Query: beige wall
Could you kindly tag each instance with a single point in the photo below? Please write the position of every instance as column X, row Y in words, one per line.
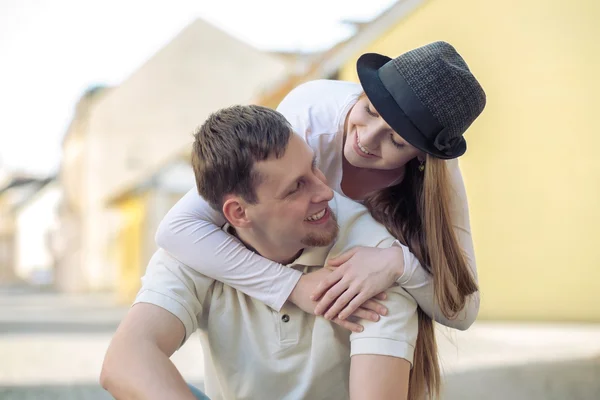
column 151, row 116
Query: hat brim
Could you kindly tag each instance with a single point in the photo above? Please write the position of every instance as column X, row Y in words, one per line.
column 367, row 68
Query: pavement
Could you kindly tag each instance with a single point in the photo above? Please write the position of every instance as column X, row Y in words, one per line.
column 52, row 346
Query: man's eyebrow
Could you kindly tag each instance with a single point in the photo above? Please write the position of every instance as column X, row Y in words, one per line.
column 314, row 162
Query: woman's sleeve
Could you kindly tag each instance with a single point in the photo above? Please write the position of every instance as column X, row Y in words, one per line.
column 191, row 232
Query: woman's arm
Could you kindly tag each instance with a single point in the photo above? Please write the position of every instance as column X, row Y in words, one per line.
column 365, row 270
column 419, row 283
column 191, row 232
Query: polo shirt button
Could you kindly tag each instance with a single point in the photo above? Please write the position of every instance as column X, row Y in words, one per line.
column 285, row 318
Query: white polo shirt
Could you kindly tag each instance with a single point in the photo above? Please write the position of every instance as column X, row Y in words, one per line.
column 253, row 352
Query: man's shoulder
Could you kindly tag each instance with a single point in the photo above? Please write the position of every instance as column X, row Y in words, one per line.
column 357, row 226
column 161, row 259
column 346, row 208
column 173, row 286
column 165, row 269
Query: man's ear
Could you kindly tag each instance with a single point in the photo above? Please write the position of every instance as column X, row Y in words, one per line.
column 234, row 209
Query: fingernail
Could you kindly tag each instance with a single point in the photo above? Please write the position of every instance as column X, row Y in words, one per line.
column 383, row 312
column 341, row 316
column 359, row 330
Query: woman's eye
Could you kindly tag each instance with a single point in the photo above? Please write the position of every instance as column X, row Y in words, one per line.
column 371, row 113
column 398, row 145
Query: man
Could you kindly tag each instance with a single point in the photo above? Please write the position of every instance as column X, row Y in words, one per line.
column 250, row 165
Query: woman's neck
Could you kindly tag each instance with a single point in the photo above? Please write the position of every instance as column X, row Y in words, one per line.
column 358, row 183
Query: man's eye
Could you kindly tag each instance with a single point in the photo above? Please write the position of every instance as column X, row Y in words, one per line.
column 298, row 186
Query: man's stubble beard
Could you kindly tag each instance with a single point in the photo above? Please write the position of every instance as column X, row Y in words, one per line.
column 325, row 237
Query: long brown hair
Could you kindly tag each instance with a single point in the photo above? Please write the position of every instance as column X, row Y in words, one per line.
column 417, row 212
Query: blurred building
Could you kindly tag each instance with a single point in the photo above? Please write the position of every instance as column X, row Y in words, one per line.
column 126, row 154
column 141, row 209
column 531, row 170
column 36, row 219
column 67, row 243
column 7, row 236
column 27, row 215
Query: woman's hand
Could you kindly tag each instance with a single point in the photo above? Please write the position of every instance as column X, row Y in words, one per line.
column 359, row 274
column 369, row 310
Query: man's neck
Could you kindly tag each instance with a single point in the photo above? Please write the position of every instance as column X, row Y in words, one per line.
column 281, row 256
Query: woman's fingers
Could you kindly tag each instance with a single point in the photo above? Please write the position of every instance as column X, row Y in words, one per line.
column 326, row 284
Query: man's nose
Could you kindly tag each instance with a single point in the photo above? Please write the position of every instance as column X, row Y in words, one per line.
column 322, row 192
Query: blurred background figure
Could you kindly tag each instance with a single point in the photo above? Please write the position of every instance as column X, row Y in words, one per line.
column 99, row 100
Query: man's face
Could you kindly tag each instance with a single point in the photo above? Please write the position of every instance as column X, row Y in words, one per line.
column 292, row 211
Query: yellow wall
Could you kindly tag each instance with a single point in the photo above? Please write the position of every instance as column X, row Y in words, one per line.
column 533, row 165
column 128, row 246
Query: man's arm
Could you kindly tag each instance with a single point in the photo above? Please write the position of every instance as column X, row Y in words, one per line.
column 374, row 376
column 383, row 353
column 137, row 364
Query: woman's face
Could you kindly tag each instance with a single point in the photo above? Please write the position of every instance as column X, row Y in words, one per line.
column 371, row 143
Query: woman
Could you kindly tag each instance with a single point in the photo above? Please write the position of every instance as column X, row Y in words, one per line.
column 383, row 142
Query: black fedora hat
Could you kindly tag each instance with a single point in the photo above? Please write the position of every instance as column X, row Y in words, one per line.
column 427, row 95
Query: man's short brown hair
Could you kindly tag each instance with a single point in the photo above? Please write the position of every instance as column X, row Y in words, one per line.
column 228, row 144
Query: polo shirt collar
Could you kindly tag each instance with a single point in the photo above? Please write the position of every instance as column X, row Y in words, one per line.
column 310, row 257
